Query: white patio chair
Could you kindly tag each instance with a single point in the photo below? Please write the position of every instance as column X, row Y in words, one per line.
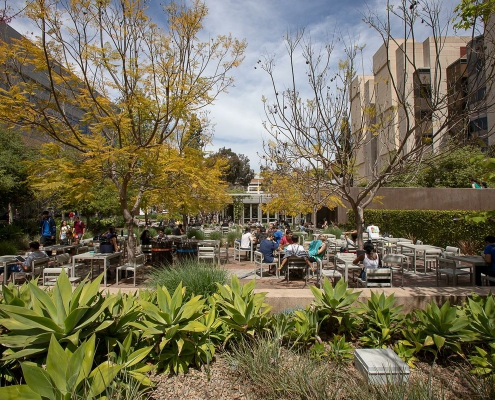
column 207, row 253
column 397, row 262
column 238, row 251
column 139, row 263
column 259, row 264
column 451, row 269
column 377, row 277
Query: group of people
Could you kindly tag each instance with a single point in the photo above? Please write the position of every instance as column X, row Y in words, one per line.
column 273, row 240
column 67, row 234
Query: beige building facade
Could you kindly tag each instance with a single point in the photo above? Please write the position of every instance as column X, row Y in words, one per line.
column 405, row 102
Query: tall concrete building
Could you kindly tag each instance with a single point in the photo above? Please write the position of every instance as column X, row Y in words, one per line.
column 405, row 102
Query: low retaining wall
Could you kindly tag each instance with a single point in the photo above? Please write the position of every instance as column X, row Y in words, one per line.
column 410, row 298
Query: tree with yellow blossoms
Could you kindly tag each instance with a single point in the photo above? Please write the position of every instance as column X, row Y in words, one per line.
column 106, row 82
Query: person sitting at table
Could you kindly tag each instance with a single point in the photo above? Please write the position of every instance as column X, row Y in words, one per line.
column 287, row 239
column 317, row 248
column 295, row 249
column 350, row 242
column 373, row 231
column 369, row 259
column 178, row 230
column 110, row 237
column 277, row 235
column 161, row 235
column 25, row 266
column 267, row 246
column 145, row 237
column 246, row 239
column 489, row 257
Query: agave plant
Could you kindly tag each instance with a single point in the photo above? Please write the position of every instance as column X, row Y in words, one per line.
column 480, row 313
column 381, row 319
column 66, row 376
column 69, row 316
column 445, row 328
column 180, row 330
column 242, row 310
column 334, row 303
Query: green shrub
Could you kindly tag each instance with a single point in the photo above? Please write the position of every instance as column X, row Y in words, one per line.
column 10, row 232
column 198, row 278
column 8, row 248
column 435, row 227
column 333, row 231
column 195, row 233
column 232, row 237
column 216, row 235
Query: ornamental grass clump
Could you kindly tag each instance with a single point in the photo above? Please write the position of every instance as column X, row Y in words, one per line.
column 199, row 278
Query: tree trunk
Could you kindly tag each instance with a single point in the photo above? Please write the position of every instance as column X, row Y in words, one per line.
column 358, row 220
column 131, row 241
column 11, row 213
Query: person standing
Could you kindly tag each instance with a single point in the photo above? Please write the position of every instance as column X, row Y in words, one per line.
column 48, row 229
column 79, row 229
column 64, row 233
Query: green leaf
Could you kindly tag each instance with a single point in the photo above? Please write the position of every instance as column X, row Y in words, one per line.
column 18, row 392
column 56, row 364
column 102, row 376
column 38, row 380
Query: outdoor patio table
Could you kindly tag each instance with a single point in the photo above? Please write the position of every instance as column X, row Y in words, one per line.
column 347, row 259
column 4, row 261
column 335, row 245
column 95, row 256
column 416, row 248
column 59, row 248
column 470, row 261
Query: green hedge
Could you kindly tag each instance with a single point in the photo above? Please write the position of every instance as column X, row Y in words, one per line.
column 439, row 228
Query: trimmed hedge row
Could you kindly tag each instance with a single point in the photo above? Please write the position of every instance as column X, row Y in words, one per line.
column 439, row 228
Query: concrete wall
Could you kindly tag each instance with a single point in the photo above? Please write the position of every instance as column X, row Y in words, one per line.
column 428, row 199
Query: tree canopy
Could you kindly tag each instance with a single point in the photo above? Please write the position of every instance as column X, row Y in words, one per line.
column 105, row 81
column 238, row 171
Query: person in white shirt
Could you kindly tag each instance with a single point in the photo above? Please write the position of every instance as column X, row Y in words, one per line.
column 246, row 239
column 295, row 249
column 373, row 231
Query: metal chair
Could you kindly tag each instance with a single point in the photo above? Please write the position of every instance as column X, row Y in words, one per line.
column 296, row 263
column 206, row 253
column 238, row 251
column 377, row 277
column 395, row 261
column 450, row 268
column 37, row 266
column 259, row 264
column 430, row 257
column 139, row 262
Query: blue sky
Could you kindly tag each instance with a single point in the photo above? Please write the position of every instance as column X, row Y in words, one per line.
column 237, row 116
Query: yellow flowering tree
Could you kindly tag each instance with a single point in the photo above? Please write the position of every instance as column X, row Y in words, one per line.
column 105, row 81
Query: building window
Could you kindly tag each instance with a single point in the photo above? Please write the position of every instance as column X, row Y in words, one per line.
column 477, row 125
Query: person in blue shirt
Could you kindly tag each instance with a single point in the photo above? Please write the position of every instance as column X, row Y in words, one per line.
column 267, row 247
column 25, row 266
column 277, row 236
column 489, row 257
column 48, row 229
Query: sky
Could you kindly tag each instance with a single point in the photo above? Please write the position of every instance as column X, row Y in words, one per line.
column 237, row 116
